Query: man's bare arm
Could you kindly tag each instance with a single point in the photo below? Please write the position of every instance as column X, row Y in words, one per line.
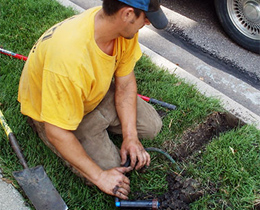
column 125, row 100
column 71, row 150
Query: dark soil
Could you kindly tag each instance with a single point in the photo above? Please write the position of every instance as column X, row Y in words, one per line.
column 183, row 190
column 196, row 139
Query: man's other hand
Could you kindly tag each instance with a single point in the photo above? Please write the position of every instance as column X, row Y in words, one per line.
column 114, row 182
column 138, row 155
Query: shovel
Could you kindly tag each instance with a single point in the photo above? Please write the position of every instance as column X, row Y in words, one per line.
column 34, row 181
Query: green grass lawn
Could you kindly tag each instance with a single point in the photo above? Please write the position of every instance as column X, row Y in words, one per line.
column 230, row 162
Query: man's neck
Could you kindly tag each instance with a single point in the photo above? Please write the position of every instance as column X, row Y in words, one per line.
column 105, row 32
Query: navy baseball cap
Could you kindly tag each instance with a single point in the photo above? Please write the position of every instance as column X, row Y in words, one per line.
column 152, row 11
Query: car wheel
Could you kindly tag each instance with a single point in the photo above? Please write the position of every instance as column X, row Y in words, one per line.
column 241, row 21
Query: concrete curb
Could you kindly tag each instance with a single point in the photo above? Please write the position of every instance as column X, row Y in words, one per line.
column 10, row 198
column 68, row 3
column 228, row 104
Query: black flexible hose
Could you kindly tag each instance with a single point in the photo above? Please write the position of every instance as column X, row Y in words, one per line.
column 153, row 149
column 154, row 204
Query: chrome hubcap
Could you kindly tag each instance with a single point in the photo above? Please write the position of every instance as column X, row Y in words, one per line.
column 245, row 15
column 252, row 11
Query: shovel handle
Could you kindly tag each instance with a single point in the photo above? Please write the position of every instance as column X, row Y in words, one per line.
column 13, row 141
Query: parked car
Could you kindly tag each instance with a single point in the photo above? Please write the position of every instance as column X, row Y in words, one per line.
column 241, row 21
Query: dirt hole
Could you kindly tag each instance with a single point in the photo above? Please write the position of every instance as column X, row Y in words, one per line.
column 183, row 190
column 196, row 139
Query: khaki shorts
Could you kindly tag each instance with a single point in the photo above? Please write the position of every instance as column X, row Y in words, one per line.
column 92, row 132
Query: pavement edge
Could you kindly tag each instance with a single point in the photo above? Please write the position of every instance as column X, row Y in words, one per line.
column 228, row 104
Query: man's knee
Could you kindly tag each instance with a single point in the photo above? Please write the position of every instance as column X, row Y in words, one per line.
column 149, row 122
column 152, row 128
column 157, row 126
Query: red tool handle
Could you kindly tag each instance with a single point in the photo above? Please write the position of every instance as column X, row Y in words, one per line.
column 155, row 101
column 144, row 97
column 6, row 52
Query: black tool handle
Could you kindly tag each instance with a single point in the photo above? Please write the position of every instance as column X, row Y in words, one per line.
column 163, row 104
column 13, row 141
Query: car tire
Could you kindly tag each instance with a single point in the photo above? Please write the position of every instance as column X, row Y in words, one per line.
column 241, row 21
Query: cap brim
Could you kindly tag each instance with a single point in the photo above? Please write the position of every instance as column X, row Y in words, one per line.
column 157, row 18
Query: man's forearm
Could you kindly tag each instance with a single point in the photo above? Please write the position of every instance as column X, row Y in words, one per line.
column 71, row 150
column 112, row 181
column 125, row 100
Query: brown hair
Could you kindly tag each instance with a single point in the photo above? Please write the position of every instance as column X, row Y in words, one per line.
column 111, row 7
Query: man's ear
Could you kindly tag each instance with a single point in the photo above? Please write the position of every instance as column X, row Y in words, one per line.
column 127, row 14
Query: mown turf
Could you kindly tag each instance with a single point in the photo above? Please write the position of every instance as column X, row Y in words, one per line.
column 235, row 175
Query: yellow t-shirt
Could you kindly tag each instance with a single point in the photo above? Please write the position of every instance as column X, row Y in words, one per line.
column 67, row 75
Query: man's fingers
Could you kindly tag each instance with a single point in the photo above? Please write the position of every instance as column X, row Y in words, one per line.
column 133, row 160
column 139, row 157
column 143, row 159
column 124, row 170
column 121, row 195
column 115, row 189
column 121, row 191
column 123, row 157
column 148, row 159
column 127, row 181
column 124, row 188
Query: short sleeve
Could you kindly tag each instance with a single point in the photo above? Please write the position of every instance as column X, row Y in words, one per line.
column 131, row 53
column 62, row 103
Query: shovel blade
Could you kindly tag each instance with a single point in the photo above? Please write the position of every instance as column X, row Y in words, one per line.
column 39, row 189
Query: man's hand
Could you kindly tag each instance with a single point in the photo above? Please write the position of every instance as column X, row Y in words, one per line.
column 139, row 157
column 125, row 101
column 114, row 182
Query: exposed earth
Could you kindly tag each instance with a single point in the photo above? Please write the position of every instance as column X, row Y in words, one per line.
column 183, row 190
